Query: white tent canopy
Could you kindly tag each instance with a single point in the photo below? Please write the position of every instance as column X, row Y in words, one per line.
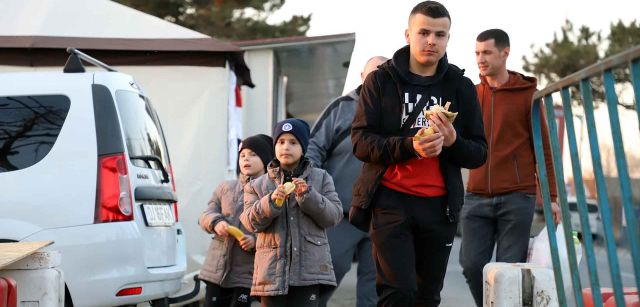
column 88, row 18
column 36, row 33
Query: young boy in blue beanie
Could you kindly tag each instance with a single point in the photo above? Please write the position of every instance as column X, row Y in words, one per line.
column 292, row 258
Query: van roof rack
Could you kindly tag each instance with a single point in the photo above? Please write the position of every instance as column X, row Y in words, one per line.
column 74, row 65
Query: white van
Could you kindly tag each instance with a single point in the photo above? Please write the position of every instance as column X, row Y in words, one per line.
column 84, row 162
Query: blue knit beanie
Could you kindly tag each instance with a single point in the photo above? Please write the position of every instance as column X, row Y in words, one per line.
column 299, row 128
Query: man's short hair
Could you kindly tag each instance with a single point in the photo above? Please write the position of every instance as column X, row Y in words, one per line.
column 432, row 9
column 500, row 37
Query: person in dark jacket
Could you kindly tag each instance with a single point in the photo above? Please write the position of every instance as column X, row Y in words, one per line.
column 330, row 148
column 501, row 194
column 413, row 187
column 228, row 268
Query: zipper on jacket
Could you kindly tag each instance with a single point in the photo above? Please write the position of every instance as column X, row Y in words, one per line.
column 288, row 259
column 228, row 245
column 515, row 165
column 493, row 97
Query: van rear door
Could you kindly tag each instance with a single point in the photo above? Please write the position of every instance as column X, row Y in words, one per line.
column 151, row 181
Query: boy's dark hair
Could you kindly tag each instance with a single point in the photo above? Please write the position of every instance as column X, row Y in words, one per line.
column 432, row 9
column 500, row 37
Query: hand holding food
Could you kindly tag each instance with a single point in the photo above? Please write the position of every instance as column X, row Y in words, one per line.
column 301, row 186
column 247, row 242
column 221, row 228
column 428, row 146
column 442, row 121
column 434, row 110
column 289, row 187
column 423, row 132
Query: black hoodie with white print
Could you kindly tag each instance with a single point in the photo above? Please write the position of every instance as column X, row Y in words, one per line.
column 387, row 98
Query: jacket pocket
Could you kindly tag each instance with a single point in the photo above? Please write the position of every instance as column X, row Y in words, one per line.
column 316, row 258
column 215, row 259
column 515, row 166
column 264, row 267
column 267, row 240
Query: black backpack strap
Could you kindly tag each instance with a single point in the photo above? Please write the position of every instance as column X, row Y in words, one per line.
column 418, row 106
column 414, row 114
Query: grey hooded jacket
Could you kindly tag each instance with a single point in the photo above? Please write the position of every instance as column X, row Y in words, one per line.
column 292, row 247
column 226, row 263
column 330, row 146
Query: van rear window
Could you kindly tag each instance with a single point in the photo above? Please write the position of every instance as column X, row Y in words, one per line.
column 29, row 126
column 142, row 130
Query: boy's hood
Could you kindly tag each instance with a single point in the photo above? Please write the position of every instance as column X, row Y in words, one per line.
column 398, row 66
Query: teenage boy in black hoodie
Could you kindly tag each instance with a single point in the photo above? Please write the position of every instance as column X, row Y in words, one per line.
column 414, row 186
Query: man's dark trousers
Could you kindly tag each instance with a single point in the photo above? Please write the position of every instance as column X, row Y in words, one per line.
column 412, row 238
column 503, row 221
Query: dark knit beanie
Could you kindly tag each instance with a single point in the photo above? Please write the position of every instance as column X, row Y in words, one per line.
column 261, row 144
column 299, row 128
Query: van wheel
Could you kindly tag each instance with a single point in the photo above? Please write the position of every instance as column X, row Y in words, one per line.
column 67, row 297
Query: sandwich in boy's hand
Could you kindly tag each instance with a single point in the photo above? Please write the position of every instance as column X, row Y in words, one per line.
column 439, row 109
column 424, row 132
column 289, row 187
column 451, row 116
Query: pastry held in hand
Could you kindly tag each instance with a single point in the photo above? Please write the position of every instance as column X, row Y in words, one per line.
column 424, row 132
column 451, row 116
column 289, row 187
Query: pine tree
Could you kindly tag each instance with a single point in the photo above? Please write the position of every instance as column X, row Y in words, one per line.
column 575, row 50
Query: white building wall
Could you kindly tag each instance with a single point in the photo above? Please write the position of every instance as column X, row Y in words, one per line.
column 258, row 102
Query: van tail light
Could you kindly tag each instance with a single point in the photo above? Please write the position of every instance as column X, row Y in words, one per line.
column 113, row 195
column 130, row 291
column 173, row 185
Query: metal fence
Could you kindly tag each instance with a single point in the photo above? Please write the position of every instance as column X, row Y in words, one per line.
column 582, row 86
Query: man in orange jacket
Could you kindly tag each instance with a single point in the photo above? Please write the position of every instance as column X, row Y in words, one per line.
column 501, row 194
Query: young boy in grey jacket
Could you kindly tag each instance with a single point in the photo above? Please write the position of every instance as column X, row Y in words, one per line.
column 292, row 259
column 228, row 267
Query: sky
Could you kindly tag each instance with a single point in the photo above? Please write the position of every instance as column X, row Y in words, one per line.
column 380, row 24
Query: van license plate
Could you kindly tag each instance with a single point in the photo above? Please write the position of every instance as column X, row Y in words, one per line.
column 158, row 215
